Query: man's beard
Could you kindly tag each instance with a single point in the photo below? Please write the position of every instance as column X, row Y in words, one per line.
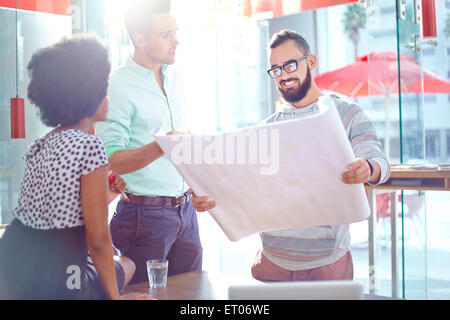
column 296, row 94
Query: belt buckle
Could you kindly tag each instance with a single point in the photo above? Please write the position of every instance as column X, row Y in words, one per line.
column 176, row 202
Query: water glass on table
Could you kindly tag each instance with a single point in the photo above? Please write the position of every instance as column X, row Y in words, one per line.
column 157, row 273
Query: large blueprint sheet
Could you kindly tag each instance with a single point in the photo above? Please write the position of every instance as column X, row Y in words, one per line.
column 276, row 176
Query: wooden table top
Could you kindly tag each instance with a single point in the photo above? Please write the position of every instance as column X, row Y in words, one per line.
column 194, row 285
column 414, row 178
column 399, row 171
column 202, row 285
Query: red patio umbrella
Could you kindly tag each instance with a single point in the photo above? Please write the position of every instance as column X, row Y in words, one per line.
column 376, row 74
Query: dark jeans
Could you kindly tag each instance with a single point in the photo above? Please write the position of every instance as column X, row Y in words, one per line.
column 144, row 232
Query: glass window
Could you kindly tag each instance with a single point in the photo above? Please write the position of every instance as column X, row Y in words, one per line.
column 430, row 98
column 448, row 143
column 35, row 30
column 432, row 144
column 428, row 51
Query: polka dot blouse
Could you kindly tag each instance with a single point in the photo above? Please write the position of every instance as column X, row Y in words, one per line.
column 50, row 192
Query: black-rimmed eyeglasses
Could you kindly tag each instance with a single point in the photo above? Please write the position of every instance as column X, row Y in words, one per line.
column 289, row 67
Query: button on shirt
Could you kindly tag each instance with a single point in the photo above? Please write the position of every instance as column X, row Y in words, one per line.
column 137, row 107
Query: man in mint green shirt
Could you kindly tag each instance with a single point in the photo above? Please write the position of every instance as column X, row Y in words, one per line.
column 144, row 94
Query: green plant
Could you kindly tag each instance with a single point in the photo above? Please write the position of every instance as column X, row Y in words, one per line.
column 354, row 20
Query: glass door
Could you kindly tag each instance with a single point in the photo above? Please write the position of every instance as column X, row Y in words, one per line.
column 23, row 31
column 423, row 34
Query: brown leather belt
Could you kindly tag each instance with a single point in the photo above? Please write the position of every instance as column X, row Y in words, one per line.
column 160, row 201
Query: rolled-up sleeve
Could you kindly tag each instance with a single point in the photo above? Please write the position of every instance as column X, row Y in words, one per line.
column 115, row 131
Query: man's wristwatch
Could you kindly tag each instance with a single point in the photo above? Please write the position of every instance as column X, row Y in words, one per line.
column 371, row 168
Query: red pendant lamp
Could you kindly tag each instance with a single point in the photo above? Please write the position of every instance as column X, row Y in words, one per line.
column 17, row 118
column 17, row 103
column 429, row 27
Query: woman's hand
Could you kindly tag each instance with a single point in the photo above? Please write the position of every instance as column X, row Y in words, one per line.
column 116, row 186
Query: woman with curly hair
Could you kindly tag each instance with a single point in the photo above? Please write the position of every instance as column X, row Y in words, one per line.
column 58, row 246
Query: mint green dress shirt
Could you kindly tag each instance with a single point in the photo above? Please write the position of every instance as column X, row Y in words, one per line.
column 137, row 106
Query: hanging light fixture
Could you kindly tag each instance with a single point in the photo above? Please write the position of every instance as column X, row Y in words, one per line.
column 17, row 103
column 429, row 28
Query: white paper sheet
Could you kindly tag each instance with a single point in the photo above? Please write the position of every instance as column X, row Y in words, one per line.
column 287, row 174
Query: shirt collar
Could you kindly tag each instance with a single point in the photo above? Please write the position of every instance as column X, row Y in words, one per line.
column 142, row 71
column 287, row 107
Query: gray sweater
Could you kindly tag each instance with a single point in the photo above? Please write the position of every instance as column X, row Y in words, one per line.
column 311, row 247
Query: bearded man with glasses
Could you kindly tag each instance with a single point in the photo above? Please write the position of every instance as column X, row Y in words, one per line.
column 319, row 252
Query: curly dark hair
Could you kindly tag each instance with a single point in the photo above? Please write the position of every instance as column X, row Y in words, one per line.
column 69, row 79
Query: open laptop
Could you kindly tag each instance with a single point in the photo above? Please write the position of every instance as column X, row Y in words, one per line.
column 311, row 290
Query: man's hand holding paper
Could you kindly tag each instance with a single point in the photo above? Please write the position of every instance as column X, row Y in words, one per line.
column 299, row 186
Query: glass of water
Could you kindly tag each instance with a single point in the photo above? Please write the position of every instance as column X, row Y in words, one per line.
column 157, row 273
